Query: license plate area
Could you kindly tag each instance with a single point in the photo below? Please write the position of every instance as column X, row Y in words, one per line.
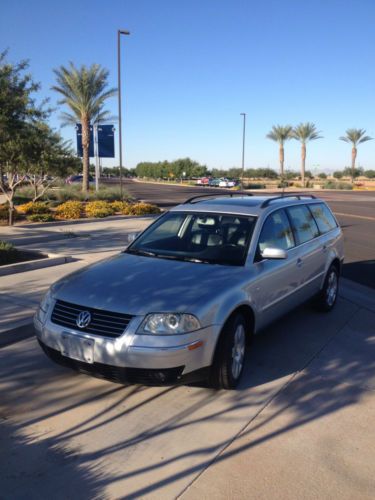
column 77, row 347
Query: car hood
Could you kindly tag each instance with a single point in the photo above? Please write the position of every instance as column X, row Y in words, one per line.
column 138, row 285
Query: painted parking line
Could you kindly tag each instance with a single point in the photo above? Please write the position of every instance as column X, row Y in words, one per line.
column 355, row 216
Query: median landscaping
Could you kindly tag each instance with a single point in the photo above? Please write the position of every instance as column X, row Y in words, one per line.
column 48, row 211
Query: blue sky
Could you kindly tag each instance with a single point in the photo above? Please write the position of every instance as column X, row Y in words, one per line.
column 190, row 67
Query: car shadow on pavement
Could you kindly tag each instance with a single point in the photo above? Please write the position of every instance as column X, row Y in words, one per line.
column 156, row 440
column 362, row 271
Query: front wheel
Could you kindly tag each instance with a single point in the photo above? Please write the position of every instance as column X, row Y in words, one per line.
column 327, row 297
column 228, row 364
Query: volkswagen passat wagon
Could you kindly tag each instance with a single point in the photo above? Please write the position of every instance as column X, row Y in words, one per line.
column 183, row 300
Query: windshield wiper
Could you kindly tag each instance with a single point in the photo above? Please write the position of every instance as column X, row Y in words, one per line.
column 183, row 258
column 145, row 253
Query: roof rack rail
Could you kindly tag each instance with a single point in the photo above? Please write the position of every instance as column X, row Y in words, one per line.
column 298, row 196
column 191, row 200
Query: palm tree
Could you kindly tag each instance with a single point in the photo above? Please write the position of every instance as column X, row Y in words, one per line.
column 355, row 136
column 84, row 91
column 280, row 134
column 305, row 132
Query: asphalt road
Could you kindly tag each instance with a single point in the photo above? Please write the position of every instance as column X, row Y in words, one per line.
column 354, row 210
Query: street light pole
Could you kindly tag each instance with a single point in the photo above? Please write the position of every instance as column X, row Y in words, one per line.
column 119, row 33
column 243, row 147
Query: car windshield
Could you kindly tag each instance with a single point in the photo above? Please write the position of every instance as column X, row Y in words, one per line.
column 209, row 238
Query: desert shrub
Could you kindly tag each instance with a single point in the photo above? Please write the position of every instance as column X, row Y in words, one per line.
column 69, row 210
column 41, row 217
column 110, row 194
column 8, row 253
column 337, row 185
column 120, row 207
column 32, row 208
column 68, row 193
column 99, row 209
column 143, row 209
column 24, row 194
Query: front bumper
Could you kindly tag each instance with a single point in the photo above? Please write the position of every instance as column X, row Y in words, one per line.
column 130, row 356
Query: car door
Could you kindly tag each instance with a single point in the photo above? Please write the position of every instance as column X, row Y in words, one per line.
column 277, row 284
column 311, row 249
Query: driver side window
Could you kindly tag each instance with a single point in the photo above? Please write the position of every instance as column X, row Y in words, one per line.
column 276, row 233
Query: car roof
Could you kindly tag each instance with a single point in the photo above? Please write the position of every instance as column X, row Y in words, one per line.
column 243, row 204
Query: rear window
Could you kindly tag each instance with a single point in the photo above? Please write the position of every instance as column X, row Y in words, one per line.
column 323, row 217
column 303, row 223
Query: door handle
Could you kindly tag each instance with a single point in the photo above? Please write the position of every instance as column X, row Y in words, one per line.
column 299, row 262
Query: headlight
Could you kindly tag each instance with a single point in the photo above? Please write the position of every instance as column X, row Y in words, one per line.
column 169, row 324
column 44, row 306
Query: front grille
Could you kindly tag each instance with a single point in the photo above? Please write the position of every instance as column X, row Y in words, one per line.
column 103, row 323
column 117, row 373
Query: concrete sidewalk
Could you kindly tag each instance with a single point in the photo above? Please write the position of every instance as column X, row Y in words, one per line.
column 300, row 426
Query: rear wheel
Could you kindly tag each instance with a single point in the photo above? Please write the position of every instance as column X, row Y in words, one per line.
column 229, row 359
column 327, row 297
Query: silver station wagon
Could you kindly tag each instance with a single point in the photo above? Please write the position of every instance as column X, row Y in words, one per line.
column 183, row 300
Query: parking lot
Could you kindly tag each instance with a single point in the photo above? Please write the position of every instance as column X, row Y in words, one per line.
column 299, row 425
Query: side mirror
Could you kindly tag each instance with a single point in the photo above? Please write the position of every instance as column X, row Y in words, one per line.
column 130, row 237
column 274, row 253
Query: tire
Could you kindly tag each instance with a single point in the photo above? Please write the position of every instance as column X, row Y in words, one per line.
column 327, row 297
column 229, row 358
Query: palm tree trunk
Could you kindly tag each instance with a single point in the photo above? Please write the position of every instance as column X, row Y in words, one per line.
column 354, row 156
column 303, row 163
column 85, row 149
column 281, row 158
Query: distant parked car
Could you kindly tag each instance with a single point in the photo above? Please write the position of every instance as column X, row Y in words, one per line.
column 77, row 179
column 223, row 183
column 204, row 181
column 214, row 182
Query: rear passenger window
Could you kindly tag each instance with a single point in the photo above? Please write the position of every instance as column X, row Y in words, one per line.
column 323, row 217
column 304, row 225
column 276, row 232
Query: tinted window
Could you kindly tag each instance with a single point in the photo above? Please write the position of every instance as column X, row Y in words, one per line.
column 323, row 217
column 304, row 225
column 276, row 232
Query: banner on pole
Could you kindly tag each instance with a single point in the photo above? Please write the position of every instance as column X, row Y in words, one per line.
column 79, row 141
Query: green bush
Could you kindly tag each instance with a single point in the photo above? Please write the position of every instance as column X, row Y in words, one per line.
column 337, row 185
column 8, row 253
column 110, row 194
column 74, row 192
column 99, row 209
column 68, row 193
column 41, row 217
column 23, row 194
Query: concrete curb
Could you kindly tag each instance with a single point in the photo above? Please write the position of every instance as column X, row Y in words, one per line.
column 21, row 267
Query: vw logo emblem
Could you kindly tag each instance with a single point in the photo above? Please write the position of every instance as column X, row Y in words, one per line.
column 83, row 319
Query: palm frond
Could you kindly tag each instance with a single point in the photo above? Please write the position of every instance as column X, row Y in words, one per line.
column 280, row 133
column 355, row 136
column 305, row 132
